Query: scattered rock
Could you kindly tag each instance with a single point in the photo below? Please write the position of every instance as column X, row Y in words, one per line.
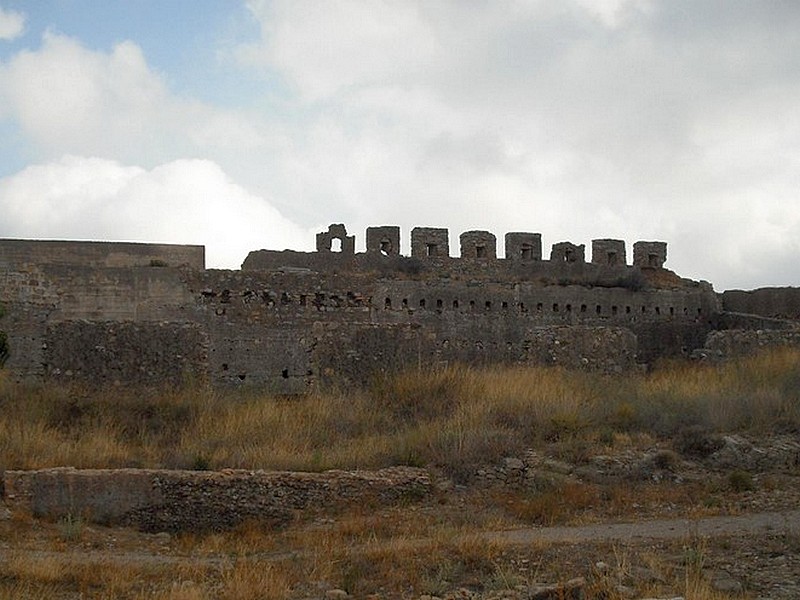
column 574, row 589
column 727, row 584
column 514, row 464
column 738, row 452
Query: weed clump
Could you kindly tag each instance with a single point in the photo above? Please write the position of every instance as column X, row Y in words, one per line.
column 696, row 441
column 424, row 396
column 741, row 481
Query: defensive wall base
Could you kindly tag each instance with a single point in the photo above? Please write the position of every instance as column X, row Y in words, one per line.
column 736, row 343
column 160, row 500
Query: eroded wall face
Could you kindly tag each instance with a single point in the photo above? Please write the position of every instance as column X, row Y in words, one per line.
column 17, row 254
column 113, row 353
column 774, row 303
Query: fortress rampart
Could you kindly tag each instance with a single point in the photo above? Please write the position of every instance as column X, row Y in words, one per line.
column 138, row 313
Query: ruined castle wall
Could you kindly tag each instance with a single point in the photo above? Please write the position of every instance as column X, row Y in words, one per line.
column 292, row 320
column 739, row 342
column 125, row 353
column 17, row 254
column 141, row 293
column 328, row 326
column 36, row 297
column 775, row 303
column 70, row 292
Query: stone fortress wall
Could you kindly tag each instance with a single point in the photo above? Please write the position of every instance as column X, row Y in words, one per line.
column 148, row 314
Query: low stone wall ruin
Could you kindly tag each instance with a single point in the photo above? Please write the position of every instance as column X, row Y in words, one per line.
column 775, row 303
column 734, row 343
column 158, row 500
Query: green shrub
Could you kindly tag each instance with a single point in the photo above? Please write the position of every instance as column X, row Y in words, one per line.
column 697, row 442
column 741, row 481
column 666, row 460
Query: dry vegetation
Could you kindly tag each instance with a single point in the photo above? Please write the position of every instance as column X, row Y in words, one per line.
column 452, row 420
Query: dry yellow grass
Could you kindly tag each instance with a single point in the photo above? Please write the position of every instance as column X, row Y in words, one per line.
column 453, row 418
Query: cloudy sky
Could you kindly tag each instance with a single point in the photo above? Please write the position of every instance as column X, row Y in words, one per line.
column 254, row 124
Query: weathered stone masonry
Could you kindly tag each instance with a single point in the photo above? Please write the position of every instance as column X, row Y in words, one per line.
column 138, row 313
column 160, row 500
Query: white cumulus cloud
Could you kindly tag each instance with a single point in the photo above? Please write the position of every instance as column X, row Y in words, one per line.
column 12, row 24
column 67, row 98
column 183, row 201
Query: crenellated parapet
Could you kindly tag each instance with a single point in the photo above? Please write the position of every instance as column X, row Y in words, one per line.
column 523, row 246
column 384, row 240
column 337, row 232
column 434, row 243
column 567, row 252
column 608, row 252
column 478, row 244
column 650, row 254
column 430, row 242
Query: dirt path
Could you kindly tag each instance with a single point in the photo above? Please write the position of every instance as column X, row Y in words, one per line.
column 661, row 529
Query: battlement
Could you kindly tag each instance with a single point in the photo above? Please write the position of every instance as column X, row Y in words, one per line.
column 434, row 243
